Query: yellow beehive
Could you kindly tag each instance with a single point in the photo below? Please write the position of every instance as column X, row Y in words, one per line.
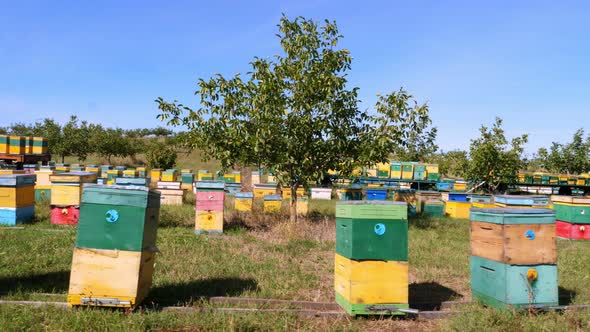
column 372, row 172
column 209, row 221
column 272, row 203
column 62, row 168
column 186, row 186
column 371, row 281
column 384, row 170
column 302, row 206
column 16, row 197
column 168, row 177
column 458, row 210
column 123, row 277
column 237, row 177
column 64, row 194
column 28, row 144
column 11, row 171
column 4, row 144
column 155, row 175
column 243, row 204
column 40, row 145
column 130, row 173
column 185, row 170
column 286, row 192
column 432, row 168
column 460, row 186
column 17, row 145
column 92, row 169
column 261, row 191
column 483, row 205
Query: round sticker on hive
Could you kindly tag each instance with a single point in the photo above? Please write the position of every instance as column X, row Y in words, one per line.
column 530, row 234
column 379, row 229
column 112, row 215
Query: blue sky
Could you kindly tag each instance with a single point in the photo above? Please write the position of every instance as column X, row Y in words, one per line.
column 106, row 61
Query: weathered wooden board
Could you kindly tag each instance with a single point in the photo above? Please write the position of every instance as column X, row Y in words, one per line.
column 16, row 197
column 66, row 194
column 514, row 244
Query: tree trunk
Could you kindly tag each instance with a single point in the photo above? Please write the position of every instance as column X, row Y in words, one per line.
column 293, row 203
column 63, row 159
column 246, row 173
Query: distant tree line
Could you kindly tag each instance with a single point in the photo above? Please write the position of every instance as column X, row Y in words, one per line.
column 80, row 139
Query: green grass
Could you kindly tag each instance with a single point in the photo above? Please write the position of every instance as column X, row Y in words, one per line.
column 263, row 256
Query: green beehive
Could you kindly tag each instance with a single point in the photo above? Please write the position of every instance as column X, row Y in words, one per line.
column 372, row 230
column 419, row 172
column 434, row 208
column 118, row 218
column 187, row 178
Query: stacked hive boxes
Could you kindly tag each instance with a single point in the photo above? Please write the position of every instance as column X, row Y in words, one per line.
column 458, row 206
column 407, row 171
column 433, row 208
column 272, row 203
column 187, row 180
column 43, row 183
column 155, row 175
column 66, row 193
column 169, row 175
column 170, row 193
column 396, row 170
column 17, row 145
column 423, row 196
column 4, row 144
column 113, row 261
column 432, row 172
column 205, row 175
column 17, row 198
column 243, row 201
column 40, row 145
column 371, row 261
column 513, row 257
column 521, row 202
column 573, row 217
column 209, row 206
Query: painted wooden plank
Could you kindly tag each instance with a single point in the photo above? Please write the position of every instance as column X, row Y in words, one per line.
column 111, row 274
column 17, row 180
column 74, row 177
column 458, row 210
column 372, row 239
column 572, row 213
column 64, row 194
column 13, row 197
column 355, row 309
column 381, row 210
column 584, row 200
column 514, row 244
column 14, row 216
column 508, row 216
column 522, row 200
column 371, row 281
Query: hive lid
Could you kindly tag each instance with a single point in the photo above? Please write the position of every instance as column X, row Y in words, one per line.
column 570, row 199
column 513, row 216
column 139, row 196
column 272, row 198
column 12, row 180
column 370, row 203
column 244, row 195
column 73, row 177
column 210, row 185
column 522, row 200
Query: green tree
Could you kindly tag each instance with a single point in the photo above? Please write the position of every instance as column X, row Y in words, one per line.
column 161, row 155
column 75, row 139
column 494, row 159
column 572, row 157
column 109, row 143
column 452, row 163
column 293, row 113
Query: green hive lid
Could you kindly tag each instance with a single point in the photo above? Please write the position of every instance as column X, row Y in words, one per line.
column 3, row 139
column 119, row 195
column 510, row 216
column 215, row 185
column 372, row 210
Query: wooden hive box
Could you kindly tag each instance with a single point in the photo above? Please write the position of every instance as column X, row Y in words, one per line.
column 420, row 172
column 514, row 236
column 351, row 193
column 434, row 208
column 243, row 201
column 321, row 193
column 376, row 194
column 40, row 145
column 65, row 215
column 169, row 175
column 17, row 145
column 14, row 216
column 208, row 222
column 371, row 172
column 518, row 201
column 4, row 144
column 185, row 171
column 286, row 192
column 395, row 170
column 362, row 285
column 383, row 170
column 480, row 199
column 120, row 168
column 130, row 173
column 255, row 177
column 572, row 231
column 302, row 206
column 272, row 203
column 457, row 210
column 210, row 196
column 112, row 174
column 43, row 177
column 118, row 218
column 145, row 182
column 187, row 178
column 458, row 197
column 572, row 209
column 432, row 172
column 460, row 186
column 205, row 175
column 171, row 196
column 372, row 230
column 17, row 190
column 110, row 278
column 407, row 171
column 262, row 189
column 237, row 177
column 155, row 175
column 168, row 185
column 504, row 285
column 42, row 193
column 66, row 188
column 423, row 196
column 141, row 171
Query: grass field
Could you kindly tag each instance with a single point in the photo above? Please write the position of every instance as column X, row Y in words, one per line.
column 264, row 257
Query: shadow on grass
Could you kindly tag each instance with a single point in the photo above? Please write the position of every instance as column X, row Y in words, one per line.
column 189, row 292
column 566, row 296
column 424, row 222
column 51, row 282
column 430, row 295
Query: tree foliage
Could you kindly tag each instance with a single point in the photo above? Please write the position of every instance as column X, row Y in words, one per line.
column 294, row 113
column 452, row 163
column 161, row 155
column 495, row 159
column 572, row 157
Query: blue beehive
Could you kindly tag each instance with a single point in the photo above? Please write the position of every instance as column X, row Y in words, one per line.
column 376, row 194
column 458, row 197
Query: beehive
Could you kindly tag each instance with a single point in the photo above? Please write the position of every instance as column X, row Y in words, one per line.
column 187, row 180
column 420, row 172
column 17, row 198
column 209, row 206
column 40, row 145
column 155, row 175
column 171, row 196
column 395, row 170
column 130, row 173
column 116, row 237
column 103, row 170
column 66, row 188
column 205, row 175
column 370, row 265
column 93, row 169
column 371, row 172
column 112, row 174
column 321, row 193
column 169, row 175
column 243, row 201
column 457, row 210
column 132, row 182
column 261, row 190
column 186, row 170
column 42, row 176
column 77, row 168
column 514, row 257
column 62, row 168
column 255, row 177
column 4, row 144
column 460, row 185
column 141, row 172
column 573, row 216
column 302, row 206
column 272, row 203
column 376, row 194
column 519, row 202
column 351, row 193
column 120, row 168
column 383, row 170
column 30, row 168
column 407, row 171
column 42, row 193
column 286, row 192
column 408, row 196
column 17, row 145
column 423, row 196
column 229, row 178
column 458, row 197
column 433, row 208
column 432, row 172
